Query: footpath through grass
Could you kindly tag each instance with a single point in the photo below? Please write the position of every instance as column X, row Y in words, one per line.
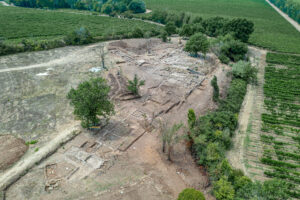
column 35, row 24
column 271, row 30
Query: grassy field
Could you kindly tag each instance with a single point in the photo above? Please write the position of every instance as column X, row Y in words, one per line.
column 38, row 24
column 271, row 30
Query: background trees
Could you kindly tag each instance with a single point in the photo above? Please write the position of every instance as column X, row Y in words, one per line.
column 91, row 101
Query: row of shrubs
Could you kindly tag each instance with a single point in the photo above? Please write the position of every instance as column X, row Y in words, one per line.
column 104, row 6
column 78, row 37
column 211, row 136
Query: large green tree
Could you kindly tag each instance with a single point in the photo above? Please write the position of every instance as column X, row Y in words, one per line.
column 91, row 101
column 196, row 43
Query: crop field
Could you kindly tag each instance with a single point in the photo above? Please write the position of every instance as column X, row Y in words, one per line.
column 271, row 30
column 39, row 24
column 281, row 121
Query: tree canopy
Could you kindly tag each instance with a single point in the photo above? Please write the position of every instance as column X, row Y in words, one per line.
column 91, row 101
column 196, row 43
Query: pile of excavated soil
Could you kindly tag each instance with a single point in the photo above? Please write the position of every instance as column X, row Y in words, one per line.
column 12, row 149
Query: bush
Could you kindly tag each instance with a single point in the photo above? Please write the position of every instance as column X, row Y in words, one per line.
column 214, row 84
column 186, row 31
column 196, row 43
column 164, row 36
column 107, row 8
column 137, row 6
column 91, row 100
column 214, row 26
column 80, row 36
column 159, row 16
column 137, row 33
column 234, row 50
column 191, row 194
column 223, row 190
column 245, row 71
column 170, row 28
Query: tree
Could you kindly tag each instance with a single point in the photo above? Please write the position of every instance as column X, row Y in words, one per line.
column 170, row 137
column 223, row 190
column 164, row 36
column 91, row 101
column 107, row 8
column 134, row 85
column 214, row 84
column 137, row 6
column 186, row 30
column 170, row 28
column 191, row 118
column 241, row 28
column 196, row 43
column 137, row 33
column 80, row 36
column 191, row 194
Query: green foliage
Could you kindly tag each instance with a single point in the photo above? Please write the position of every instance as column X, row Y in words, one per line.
column 214, row 26
column 137, row 33
column 286, row 59
column 191, row 118
column 137, row 6
column 107, row 9
column 186, row 30
column 214, row 84
column 223, row 190
column 90, row 100
column 290, row 7
column 271, row 30
column 164, row 36
column 41, row 29
column 196, row 43
column 275, row 189
column 245, row 71
column 170, row 28
column 234, row 50
column 241, row 28
column 133, row 85
column 190, row 194
column 31, row 142
column 79, row 37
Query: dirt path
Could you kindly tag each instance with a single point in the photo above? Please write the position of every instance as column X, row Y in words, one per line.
column 253, row 98
column 290, row 20
column 29, row 161
column 4, row 3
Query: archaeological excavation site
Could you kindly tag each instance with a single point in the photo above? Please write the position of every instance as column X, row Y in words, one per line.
column 52, row 157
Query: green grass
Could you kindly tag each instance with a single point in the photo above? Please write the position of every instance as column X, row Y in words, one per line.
column 271, row 30
column 18, row 23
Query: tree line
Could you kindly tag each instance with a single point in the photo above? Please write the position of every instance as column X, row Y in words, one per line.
column 103, row 6
column 290, row 7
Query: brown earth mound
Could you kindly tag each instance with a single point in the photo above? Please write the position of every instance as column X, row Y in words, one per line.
column 12, row 149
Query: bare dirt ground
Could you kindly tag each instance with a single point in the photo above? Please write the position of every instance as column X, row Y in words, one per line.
column 122, row 160
column 285, row 16
column 243, row 155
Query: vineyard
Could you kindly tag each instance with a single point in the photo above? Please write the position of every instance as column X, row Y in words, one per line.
column 281, row 121
column 38, row 25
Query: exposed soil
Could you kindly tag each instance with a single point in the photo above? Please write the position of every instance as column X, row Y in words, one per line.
column 123, row 160
column 249, row 116
column 12, row 149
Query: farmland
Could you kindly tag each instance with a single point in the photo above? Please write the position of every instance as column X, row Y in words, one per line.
column 36, row 24
column 280, row 130
column 271, row 30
